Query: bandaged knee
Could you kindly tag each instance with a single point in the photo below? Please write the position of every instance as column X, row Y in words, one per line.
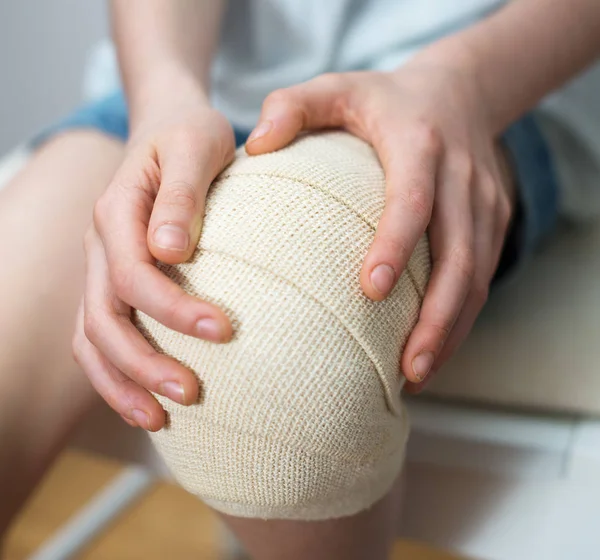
column 300, row 414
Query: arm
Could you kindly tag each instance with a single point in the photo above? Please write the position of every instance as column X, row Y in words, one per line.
column 527, row 49
column 165, row 48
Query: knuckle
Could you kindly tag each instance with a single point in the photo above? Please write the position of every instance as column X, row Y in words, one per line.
column 489, row 190
column 219, row 119
column 419, row 203
column 442, row 331
column 141, row 373
column 462, row 258
column 462, row 167
column 180, row 195
column 172, row 309
column 480, row 292
column 329, row 79
column 91, row 325
column 100, row 211
column 185, row 135
column 221, row 141
column 426, row 137
column 504, row 211
column 279, row 96
column 120, row 278
column 76, row 348
column 118, row 399
column 135, row 371
column 395, row 247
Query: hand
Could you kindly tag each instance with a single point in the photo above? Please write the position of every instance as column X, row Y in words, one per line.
column 427, row 122
column 153, row 209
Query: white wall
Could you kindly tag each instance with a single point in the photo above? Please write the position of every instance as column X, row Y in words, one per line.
column 43, row 47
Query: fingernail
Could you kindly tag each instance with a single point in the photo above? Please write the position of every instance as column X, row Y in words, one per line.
column 173, row 391
column 382, row 278
column 141, row 418
column 422, row 365
column 169, row 236
column 262, row 129
column 209, row 329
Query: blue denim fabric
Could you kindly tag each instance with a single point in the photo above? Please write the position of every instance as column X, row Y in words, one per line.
column 108, row 115
column 534, row 220
column 536, row 180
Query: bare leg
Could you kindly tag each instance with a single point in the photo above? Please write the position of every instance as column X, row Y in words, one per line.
column 43, row 216
column 368, row 535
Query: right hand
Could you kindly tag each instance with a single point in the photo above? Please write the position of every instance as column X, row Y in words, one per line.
column 153, row 209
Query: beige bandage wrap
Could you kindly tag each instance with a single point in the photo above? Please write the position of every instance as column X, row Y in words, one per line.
column 300, row 415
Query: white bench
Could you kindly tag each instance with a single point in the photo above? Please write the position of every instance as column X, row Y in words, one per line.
column 504, row 460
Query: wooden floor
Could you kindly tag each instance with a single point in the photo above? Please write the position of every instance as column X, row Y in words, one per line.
column 165, row 523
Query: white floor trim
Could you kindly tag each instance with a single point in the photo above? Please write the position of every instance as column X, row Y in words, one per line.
column 503, row 486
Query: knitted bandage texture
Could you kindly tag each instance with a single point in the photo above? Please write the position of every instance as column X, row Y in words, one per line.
column 300, row 415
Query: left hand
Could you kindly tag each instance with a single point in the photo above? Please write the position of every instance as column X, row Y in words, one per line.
column 428, row 123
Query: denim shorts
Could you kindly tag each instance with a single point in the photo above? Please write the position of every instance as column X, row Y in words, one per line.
column 536, row 214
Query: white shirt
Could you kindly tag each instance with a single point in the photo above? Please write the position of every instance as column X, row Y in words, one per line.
column 269, row 44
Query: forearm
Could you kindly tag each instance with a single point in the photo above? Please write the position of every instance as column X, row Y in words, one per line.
column 165, row 47
column 527, row 49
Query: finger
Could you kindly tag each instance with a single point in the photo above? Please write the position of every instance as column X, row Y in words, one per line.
column 452, row 244
column 490, row 221
column 134, row 404
column 316, row 104
column 108, row 326
column 507, row 201
column 121, row 218
column 188, row 162
column 409, row 156
column 460, row 331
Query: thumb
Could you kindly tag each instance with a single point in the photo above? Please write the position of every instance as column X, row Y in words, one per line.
column 315, row 104
column 187, row 168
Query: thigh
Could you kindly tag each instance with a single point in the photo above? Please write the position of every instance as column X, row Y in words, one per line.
column 44, row 212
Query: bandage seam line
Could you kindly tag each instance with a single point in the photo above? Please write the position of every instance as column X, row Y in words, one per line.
column 387, row 388
column 334, row 197
column 335, row 459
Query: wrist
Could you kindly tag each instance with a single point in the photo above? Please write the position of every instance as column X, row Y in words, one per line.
column 462, row 60
column 167, row 87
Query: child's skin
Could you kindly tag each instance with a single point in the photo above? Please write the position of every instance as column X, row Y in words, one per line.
column 434, row 124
